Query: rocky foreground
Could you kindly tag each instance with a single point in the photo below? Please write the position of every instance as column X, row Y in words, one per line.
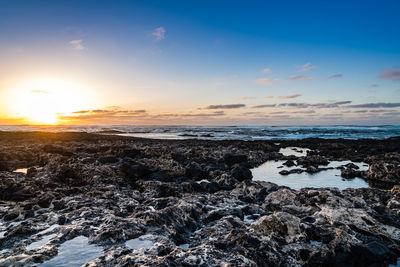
column 193, row 203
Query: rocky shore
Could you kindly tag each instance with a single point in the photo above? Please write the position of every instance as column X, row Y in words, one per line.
column 138, row 202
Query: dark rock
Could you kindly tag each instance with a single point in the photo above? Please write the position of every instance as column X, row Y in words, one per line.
column 132, row 171
column 350, row 173
column 194, row 170
column 287, row 172
column 130, row 153
column 386, row 171
column 108, row 159
column 44, row 200
column 241, row 173
column 4, row 166
column 312, row 169
column 61, row 220
column 31, row 172
column 159, row 176
column 231, row 158
column 11, row 215
column 351, row 166
column 57, row 150
column 289, row 163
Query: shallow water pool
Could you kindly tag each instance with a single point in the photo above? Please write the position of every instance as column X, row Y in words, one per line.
column 22, row 170
column 294, row 151
column 143, row 241
column 269, row 172
column 74, row 252
column 43, row 241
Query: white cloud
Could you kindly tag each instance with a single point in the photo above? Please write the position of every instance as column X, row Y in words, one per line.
column 159, row 33
column 77, row 44
column 266, row 81
column 306, row 67
column 267, row 70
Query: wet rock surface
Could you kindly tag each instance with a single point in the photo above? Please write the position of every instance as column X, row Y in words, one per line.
column 138, row 202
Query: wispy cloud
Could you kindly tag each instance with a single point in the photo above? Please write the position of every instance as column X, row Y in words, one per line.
column 302, row 78
column 391, row 74
column 372, row 85
column 267, row 81
column 376, row 105
column 252, row 113
column 316, row 105
column 339, row 75
column 267, row 70
column 306, row 67
column 214, row 114
column 304, row 105
column 228, row 106
column 117, row 115
column 159, row 33
column 77, row 44
column 289, row 96
column 264, row 106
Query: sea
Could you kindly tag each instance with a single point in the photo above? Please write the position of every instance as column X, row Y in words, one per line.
column 228, row 132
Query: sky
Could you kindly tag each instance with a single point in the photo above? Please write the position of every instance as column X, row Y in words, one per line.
column 199, row 62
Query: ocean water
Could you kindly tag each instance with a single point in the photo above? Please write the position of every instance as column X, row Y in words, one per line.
column 231, row 132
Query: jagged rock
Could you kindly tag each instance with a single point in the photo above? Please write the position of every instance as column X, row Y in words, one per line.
column 281, row 224
column 386, row 171
column 350, row 173
column 186, row 204
column 57, row 150
column 3, row 166
column 132, row 171
column 289, row 163
column 108, row 159
column 241, row 173
column 231, row 158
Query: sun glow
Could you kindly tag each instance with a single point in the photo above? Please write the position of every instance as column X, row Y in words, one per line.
column 43, row 101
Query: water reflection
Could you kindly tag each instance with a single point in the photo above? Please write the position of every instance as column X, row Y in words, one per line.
column 269, row 172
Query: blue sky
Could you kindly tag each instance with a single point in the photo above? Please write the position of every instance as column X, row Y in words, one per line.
column 175, row 59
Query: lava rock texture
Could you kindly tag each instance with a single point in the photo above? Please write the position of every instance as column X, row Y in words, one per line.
column 195, row 201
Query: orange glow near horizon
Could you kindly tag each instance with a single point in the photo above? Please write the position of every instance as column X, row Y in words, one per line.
column 41, row 101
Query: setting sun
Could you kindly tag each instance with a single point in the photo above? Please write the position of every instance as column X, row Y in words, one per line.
column 41, row 101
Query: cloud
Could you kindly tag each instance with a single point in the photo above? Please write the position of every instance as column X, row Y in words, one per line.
column 267, row 70
column 376, row 105
column 214, row 114
column 303, row 78
column 306, row 67
column 77, row 44
column 316, row 105
column 373, row 85
column 228, row 106
column 339, row 75
column 81, row 112
column 391, row 74
column 252, row 113
column 289, row 96
column 305, row 112
column 264, row 106
column 159, row 33
column 304, row 105
column 267, row 81
column 269, row 97
column 342, row 102
column 379, row 110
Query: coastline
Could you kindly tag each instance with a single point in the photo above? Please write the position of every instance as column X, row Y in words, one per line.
column 194, row 200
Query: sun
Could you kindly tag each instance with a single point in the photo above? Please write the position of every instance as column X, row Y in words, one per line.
column 43, row 101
